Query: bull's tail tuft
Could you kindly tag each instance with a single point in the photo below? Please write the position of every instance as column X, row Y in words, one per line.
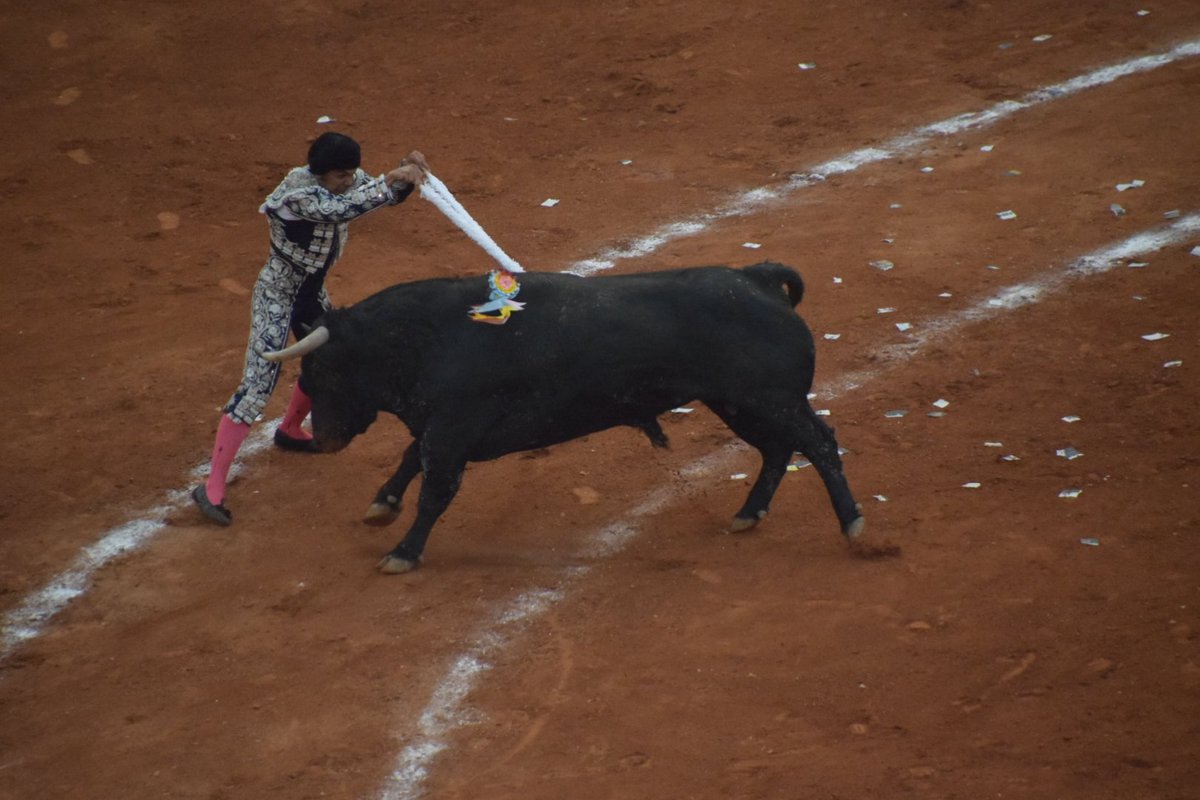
column 773, row 276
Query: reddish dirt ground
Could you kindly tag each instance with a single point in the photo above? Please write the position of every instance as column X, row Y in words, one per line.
column 997, row 656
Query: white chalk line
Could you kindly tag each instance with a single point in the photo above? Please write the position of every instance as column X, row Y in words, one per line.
column 752, row 201
column 447, row 710
column 30, row 618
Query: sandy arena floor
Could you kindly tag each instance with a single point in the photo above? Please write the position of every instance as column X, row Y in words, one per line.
column 1022, row 645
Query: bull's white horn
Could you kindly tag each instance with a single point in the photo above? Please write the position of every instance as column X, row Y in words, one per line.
column 318, row 337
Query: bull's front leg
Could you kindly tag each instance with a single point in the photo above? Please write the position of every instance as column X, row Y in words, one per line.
column 385, row 508
column 441, row 482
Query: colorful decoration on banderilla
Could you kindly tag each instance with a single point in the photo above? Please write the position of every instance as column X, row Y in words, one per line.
column 500, row 304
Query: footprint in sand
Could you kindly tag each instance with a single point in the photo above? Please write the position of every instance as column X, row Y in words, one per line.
column 58, row 40
column 80, row 156
column 67, row 96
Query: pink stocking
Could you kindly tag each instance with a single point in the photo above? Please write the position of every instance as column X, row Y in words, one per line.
column 230, row 436
column 297, row 410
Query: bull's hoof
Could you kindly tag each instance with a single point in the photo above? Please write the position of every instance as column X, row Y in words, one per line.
column 381, row 514
column 855, row 528
column 746, row 523
column 393, row 565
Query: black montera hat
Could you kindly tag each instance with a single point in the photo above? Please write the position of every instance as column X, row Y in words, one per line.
column 332, row 151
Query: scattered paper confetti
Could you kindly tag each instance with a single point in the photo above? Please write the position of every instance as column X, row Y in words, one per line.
column 625, row 162
column 1117, row 210
column 682, row 410
column 903, row 326
column 987, row 148
column 751, row 245
column 1143, row 13
column 937, row 414
column 1172, row 364
column 822, row 412
column 1009, row 214
column 1071, row 418
column 883, row 265
column 896, row 205
column 738, row 476
column 807, row 65
column 1070, row 493
column 926, row 169
column 1133, row 184
column 1012, row 173
column 1069, row 453
column 1138, row 264
column 550, row 202
column 895, row 414
column 972, row 485
column 1045, row 37
column 881, row 498
column 888, row 310
column 799, row 464
column 836, row 279
column 993, row 267
column 1090, row 542
column 945, row 294
column 833, row 337
column 1196, row 250
column 324, row 120
column 940, row 403
column 1172, row 214
column 1010, row 457
column 1154, row 337
column 993, row 444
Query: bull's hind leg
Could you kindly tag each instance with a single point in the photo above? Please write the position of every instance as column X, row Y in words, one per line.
column 815, row 440
column 774, row 467
column 386, row 506
column 777, row 435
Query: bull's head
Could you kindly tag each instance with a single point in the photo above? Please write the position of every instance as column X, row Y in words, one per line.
column 341, row 408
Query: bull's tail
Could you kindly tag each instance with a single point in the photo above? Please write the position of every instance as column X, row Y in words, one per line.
column 772, row 276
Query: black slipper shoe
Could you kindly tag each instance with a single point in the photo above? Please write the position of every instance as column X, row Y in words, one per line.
column 214, row 511
column 285, row 442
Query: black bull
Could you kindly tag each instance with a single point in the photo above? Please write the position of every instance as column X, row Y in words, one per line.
column 585, row 355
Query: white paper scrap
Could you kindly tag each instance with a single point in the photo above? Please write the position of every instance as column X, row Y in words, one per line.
column 1117, row 210
column 324, row 120
column 926, row 169
column 883, row 265
column 625, row 162
column 945, row 294
column 1154, row 337
column 682, row 410
column 1196, row 250
column 1143, row 13
column 822, row 412
column 1090, row 542
column 972, row 485
column 833, row 337
column 1045, row 37
column 903, row 326
column 895, row 414
column 881, row 498
column 836, row 279
column 993, row 444
column 1138, row 264
column 1071, row 418
column 738, row 476
column 895, row 205
column 1009, row 214
column 1172, row 214
column 1133, row 184
column 1172, row 364
column 888, row 310
column 1010, row 457
column 1070, row 493
column 1069, row 453
column 751, row 245
column 550, row 202
column 940, row 403
column 987, row 148
column 807, row 65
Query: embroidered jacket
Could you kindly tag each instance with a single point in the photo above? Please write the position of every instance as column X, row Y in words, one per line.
column 309, row 223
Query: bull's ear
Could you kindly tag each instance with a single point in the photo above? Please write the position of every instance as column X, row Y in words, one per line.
column 312, row 341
